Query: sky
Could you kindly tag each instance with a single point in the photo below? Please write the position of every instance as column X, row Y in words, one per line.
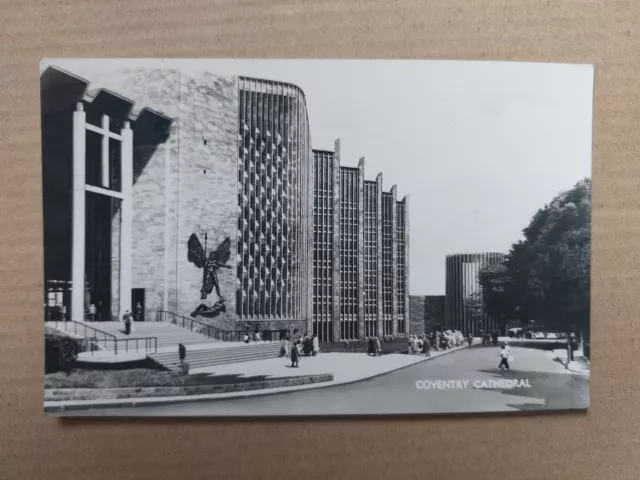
column 478, row 146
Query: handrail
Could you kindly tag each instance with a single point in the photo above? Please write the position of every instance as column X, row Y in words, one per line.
column 150, row 343
column 215, row 332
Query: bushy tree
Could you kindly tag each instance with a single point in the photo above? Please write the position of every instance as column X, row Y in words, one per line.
column 547, row 274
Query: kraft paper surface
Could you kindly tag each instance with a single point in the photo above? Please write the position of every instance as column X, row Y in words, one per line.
column 600, row 444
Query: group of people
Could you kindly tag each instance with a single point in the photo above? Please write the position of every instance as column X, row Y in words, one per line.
column 256, row 337
column 94, row 313
column 302, row 346
column 489, row 337
column 374, row 348
column 424, row 343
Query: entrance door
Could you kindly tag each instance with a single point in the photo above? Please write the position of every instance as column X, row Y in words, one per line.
column 137, row 297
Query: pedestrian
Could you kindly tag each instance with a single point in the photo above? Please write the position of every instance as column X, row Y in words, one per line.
column 316, row 345
column 378, row 347
column 127, row 322
column 470, row 339
column 295, row 355
column 426, row 346
column 410, row 345
column 182, row 352
column 505, row 356
column 138, row 312
column 284, row 348
column 372, row 347
column 92, row 313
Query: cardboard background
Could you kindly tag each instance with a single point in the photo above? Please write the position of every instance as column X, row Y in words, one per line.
column 601, row 444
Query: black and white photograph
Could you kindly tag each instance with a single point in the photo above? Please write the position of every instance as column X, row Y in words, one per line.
column 245, row 237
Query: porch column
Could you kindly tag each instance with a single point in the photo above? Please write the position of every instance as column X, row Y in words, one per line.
column 126, row 226
column 105, row 152
column 78, row 227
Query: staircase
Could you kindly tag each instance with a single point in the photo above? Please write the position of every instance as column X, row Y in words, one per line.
column 168, row 334
column 219, row 354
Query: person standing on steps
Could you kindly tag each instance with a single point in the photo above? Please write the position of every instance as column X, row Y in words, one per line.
column 139, row 312
column 92, row 313
column 182, row 352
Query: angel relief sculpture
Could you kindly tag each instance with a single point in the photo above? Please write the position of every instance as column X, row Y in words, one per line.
column 216, row 260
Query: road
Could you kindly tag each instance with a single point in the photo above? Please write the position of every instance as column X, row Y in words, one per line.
column 552, row 387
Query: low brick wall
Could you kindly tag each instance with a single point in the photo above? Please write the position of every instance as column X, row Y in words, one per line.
column 75, row 394
column 530, row 343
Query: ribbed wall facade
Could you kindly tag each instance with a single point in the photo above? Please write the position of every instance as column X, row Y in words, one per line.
column 463, row 293
column 274, row 202
column 360, row 282
column 402, row 269
column 388, row 274
column 349, row 200
column 372, row 263
column 323, row 191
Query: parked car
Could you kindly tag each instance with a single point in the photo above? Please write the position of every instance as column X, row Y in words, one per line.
column 539, row 336
column 552, row 335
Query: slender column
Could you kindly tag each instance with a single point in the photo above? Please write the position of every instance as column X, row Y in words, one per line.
column 105, row 152
column 78, row 235
column 360, row 290
column 126, row 227
column 335, row 281
column 394, row 262
column 379, row 301
column 406, row 234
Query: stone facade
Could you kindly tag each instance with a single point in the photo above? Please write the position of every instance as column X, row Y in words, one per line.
column 207, row 187
column 426, row 313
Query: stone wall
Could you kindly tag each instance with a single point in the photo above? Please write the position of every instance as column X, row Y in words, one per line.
column 207, row 186
column 425, row 313
column 153, row 197
column 186, row 184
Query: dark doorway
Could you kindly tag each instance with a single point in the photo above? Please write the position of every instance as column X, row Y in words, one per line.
column 99, row 214
column 137, row 297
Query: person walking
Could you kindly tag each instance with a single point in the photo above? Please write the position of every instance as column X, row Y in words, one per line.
column 92, row 313
column 378, row 347
column 295, row 356
column 316, row 345
column 371, row 350
column 469, row 339
column 505, row 356
column 426, row 346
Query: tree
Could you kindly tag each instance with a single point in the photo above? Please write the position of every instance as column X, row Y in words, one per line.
column 560, row 250
column 546, row 275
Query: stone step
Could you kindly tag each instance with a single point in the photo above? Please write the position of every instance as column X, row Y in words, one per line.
column 219, row 356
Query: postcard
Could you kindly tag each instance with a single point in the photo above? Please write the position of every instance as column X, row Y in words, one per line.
column 315, row 237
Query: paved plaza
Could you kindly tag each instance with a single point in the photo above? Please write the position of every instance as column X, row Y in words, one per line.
column 552, row 387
